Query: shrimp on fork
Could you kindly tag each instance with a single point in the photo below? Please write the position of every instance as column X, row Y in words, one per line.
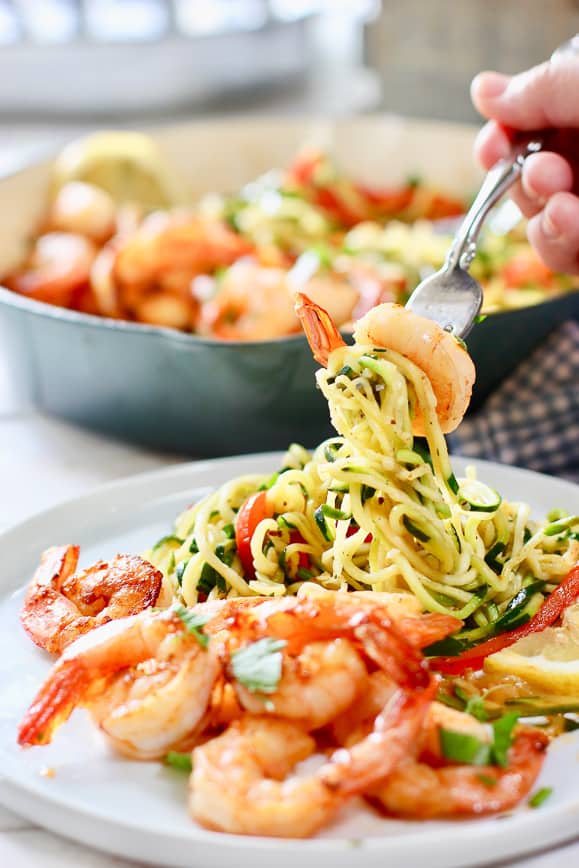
column 146, row 681
column 437, row 353
column 61, row 604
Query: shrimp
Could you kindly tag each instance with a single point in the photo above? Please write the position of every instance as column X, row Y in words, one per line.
column 253, row 303
column 62, row 604
column 85, row 209
column 240, row 782
column 436, row 352
column 418, row 791
column 145, row 679
column 320, row 683
column 162, row 258
column 57, row 270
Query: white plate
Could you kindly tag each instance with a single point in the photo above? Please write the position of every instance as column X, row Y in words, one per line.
column 138, row 810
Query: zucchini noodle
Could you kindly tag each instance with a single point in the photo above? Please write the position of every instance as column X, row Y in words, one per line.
column 375, row 508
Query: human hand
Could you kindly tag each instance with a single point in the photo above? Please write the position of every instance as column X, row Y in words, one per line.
column 545, row 97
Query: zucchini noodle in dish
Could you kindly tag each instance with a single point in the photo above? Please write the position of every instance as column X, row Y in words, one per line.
column 377, row 507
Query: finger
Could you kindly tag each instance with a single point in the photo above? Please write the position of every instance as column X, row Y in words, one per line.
column 491, row 144
column 543, row 175
column 554, row 233
column 544, row 96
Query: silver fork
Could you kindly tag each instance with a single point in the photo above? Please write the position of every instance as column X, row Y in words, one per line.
column 452, row 297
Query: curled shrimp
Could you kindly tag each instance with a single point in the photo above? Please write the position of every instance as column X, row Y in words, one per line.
column 61, row 604
column 153, row 267
column 416, row 790
column 145, row 679
column 57, row 270
column 241, row 781
column 315, row 686
column 436, row 352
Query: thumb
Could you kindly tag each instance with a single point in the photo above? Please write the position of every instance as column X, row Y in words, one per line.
column 544, row 96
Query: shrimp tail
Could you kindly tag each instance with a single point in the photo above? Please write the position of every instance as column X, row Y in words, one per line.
column 428, row 628
column 321, row 332
column 54, row 703
column 395, row 729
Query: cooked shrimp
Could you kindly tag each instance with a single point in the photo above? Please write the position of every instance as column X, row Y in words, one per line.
column 252, row 304
column 405, row 610
column 84, row 209
column 57, row 269
column 61, row 604
column 315, row 686
column 146, row 681
column 240, row 780
column 436, row 352
column 164, row 256
column 418, row 791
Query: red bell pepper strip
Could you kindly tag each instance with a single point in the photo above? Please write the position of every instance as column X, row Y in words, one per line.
column 564, row 595
column 254, row 510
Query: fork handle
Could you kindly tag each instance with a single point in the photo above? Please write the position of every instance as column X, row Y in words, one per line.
column 498, row 180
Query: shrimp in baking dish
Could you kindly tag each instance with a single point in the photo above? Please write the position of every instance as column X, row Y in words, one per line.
column 145, row 680
column 61, row 604
column 436, row 352
column 57, row 270
column 241, row 781
column 255, row 302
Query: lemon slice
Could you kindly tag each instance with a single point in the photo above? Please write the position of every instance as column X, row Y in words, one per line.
column 548, row 660
column 128, row 165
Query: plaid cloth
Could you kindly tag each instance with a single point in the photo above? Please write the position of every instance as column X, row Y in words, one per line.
column 532, row 419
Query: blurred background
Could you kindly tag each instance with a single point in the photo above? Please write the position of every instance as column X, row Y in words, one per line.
column 68, row 65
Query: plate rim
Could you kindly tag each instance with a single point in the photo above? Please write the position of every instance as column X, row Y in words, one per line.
column 547, row 826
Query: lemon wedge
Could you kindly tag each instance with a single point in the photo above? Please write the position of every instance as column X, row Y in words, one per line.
column 548, row 660
column 128, row 165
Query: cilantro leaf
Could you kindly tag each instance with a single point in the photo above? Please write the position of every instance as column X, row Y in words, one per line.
column 258, row 665
column 463, row 748
column 180, row 761
column 193, row 623
column 503, row 737
column 539, row 797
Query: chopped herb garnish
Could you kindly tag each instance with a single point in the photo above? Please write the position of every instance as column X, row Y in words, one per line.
column 480, row 317
column 180, row 761
column 503, row 737
column 473, row 705
column 468, row 749
column 463, row 748
column 304, row 574
column 487, row 780
column 193, row 623
column 194, row 548
column 539, row 797
column 229, row 531
column 258, row 665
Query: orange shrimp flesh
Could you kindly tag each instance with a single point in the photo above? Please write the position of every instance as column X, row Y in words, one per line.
column 62, row 604
column 415, row 790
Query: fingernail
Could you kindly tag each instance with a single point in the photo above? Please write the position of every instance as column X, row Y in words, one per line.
column 491, row 85
column 549, row 229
